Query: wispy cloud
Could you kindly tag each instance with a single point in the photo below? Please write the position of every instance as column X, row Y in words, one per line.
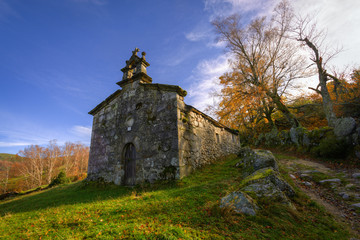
column 201, row 31
column 223, row 8
column 82, row 131
column 14, row 144
column 6, row 11
column 196, row 35
column 205, row 78
column 180, row 54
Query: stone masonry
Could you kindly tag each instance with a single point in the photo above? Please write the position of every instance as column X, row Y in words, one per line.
column 145, row 132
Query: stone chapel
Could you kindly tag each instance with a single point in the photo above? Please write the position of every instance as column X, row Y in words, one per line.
column 145, row 132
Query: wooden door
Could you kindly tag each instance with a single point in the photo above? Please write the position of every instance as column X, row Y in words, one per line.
column 130, row 164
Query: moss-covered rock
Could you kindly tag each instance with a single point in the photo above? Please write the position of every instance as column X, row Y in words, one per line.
column 344, row 127
column 267, row 176
column 240, row 202
column 253, row 160
column 297, row 135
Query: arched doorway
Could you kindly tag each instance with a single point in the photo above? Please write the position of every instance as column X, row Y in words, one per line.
column 129, row 155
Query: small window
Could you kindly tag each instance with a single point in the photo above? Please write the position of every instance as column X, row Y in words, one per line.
column 217, row 138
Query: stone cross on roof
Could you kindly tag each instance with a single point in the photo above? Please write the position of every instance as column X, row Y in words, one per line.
column 135, row 51
column 135, row 69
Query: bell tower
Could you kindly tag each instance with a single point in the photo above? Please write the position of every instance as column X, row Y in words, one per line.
column 135, row 69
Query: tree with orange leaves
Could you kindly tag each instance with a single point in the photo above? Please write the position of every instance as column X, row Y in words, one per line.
column 243, row 105
column 265, row 63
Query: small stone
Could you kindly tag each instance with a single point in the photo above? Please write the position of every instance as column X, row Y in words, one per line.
column 345, row 196
column 305, row 176
column 334, row 180
column 350, row 185
column 307, row 184
column 356, row 175
column 292, row 176
column 356, row 205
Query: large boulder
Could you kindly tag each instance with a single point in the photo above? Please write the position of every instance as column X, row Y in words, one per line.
column 299, row 136
column 240, row 203
column 262, row 180
column 344, row 127
column 253, row 160
column 267, row 183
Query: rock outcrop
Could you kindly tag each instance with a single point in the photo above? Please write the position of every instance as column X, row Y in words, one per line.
column 240, row 202
column 261, row 180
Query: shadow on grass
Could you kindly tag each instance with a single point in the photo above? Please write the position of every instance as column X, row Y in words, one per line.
column 70, row 194
column 85, row 192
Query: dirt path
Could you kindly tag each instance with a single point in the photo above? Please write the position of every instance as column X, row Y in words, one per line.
column 336, row 195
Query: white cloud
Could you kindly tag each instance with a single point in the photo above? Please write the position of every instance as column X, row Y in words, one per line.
column 205, row 79
column 179, row 55
column 82, row 131
column 14, row 144
column 195, row 36
column 341, row 20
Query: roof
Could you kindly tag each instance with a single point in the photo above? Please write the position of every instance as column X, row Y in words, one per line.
column 166, row 87
column 157, row 86
column 163, row 87
column 216, row 123
column 105, row 102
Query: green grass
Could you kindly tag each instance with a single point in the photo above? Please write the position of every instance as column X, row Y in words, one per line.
column 186, row 209
column 281, row 156
column 7, row 157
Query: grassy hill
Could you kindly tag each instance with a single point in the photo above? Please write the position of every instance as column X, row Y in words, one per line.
column 7, row 157
column 186, row 209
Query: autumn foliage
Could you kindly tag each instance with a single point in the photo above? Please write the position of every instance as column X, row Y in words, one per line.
column 259, row 93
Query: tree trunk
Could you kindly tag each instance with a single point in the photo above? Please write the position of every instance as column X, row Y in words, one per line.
column 284, row 110
column 323, row 78
column 327, row 102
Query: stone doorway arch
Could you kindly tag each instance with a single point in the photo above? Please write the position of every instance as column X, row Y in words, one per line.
column 129, row 155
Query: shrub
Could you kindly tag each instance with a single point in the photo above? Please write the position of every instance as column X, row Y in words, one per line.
column 331, row 147
column 60, row 179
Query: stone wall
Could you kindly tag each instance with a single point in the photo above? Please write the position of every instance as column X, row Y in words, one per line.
column 142, row 114
column 202, row 140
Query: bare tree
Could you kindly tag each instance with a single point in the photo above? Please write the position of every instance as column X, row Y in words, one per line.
column 34, row 164
column 81, row 158
column 5, row 167
column 52, row 158
column 68, row 151
column 313, row 39
column 265, row 58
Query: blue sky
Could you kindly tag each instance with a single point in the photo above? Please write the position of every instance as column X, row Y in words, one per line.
column 59, row 59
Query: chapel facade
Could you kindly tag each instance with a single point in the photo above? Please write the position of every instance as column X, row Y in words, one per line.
column 145, row 132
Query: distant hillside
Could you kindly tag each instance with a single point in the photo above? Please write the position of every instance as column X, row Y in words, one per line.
column 8, row 157
column 184, row 209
